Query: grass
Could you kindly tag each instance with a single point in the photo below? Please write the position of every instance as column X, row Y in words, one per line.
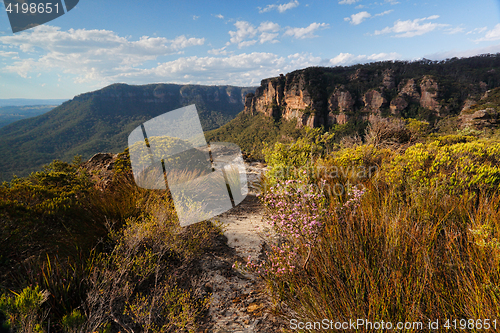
column 117, row 257
column 404, row 244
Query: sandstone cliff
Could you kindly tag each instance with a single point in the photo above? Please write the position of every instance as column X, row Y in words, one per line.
column 481, row 114
column 295, row 97
column 325, row 97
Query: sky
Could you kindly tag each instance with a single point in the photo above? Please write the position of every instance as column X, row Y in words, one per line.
column 99, row 43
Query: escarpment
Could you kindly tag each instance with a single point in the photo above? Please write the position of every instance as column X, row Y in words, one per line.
column 430, row 90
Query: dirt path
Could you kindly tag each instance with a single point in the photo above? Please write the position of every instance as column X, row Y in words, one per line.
column 244, row 221
column 239, row 302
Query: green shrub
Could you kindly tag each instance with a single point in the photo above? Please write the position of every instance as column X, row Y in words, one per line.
column 73, row 322
column 24, row 311
column 295, row 160
column 418, row 241
column 105, row 275
column 456, row 168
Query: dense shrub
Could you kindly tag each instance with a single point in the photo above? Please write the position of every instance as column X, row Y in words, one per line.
column 414, row 241
column 105, row 258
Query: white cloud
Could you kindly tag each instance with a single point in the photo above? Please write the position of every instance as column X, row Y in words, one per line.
column 195, row 17
column 280, row 8
column 307, row 32
column 345, row 59
column 493, row 34
column 12, row 55
column 100, row 57
column 221, row 51
column 384, row 13
column 247, row 43
column 245, row 32
column 268, row 37
column 269, row 26
column 242, row 69
column 85, row 53
column 456, row 30
column 411, row 28
column 358, row 18
column 247, row 69
column 477, row 31
column 219, row 16
column 347, row 2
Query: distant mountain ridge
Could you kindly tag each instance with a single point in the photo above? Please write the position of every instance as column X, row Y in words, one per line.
column 101, row 121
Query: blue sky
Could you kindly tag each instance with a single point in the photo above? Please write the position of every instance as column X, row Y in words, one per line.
column 231, row 42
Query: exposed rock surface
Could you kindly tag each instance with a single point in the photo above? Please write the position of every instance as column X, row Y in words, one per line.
column 389, row 81
column 239, row 302
column 340, row 103
column 101, row 168
column 361, row 74
column 299, row 97
column 373, row 100
column 325, row 96
column 480, row 119
column 468, row 104
column 429, row 93
column 284, row 97
column 398, row 104
column 341, row 100
column 409, row 91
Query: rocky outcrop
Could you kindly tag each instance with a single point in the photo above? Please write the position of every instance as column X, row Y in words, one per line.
column 373, row 100
column 481, row 113
column 429, row 93
column 287, row 98
column 360, row 74
column 319, row 96
column 409, row 91
column 480, row 119
column 397, row 105
column 341, row 101
column 468, row 104
column 101, row 169
column 294, row 97
column 340, row 119
column 389, row 80
column 269, row 95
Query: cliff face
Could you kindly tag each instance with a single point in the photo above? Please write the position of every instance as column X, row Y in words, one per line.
column 328, row 96
column 294, row 97
column 481, row 114
column 429, row 95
